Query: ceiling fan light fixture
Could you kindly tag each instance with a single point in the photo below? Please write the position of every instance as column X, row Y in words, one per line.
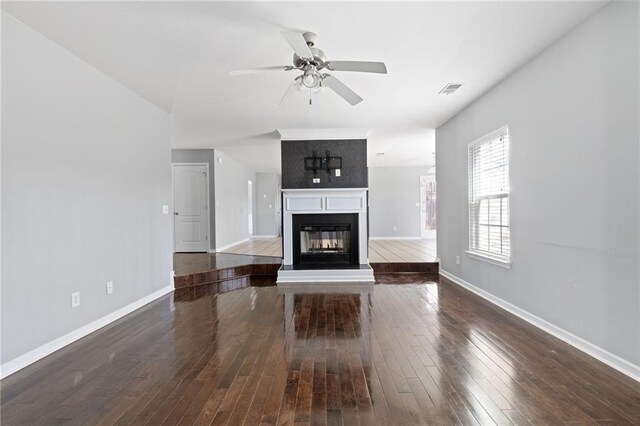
column 297, row 83
column 311, row 78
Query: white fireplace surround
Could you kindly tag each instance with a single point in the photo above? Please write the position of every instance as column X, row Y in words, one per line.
column 319, row 201
column 325, row 201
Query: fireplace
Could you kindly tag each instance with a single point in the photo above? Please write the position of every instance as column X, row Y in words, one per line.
column 325, row 240
column 324, row 236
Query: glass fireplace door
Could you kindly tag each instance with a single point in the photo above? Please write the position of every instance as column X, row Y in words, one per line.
column 325, row 239
column 325, row 243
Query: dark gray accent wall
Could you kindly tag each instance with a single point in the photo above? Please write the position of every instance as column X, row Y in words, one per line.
column 202, row 156
column 354, row 163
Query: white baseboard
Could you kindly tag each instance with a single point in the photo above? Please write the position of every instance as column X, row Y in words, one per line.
column 38, row 353
column 622, row 365
column 212, row 250
column 223, row 248
column 257, row 237
column 395, row 238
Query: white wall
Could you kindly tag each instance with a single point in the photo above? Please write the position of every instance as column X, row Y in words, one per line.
column 393, row 194
column 267, row 204
column 573, row 115
column 231, row 202
column 85, row 173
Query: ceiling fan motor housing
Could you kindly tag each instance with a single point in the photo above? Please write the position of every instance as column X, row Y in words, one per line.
column 310, row 38
column 319, row 59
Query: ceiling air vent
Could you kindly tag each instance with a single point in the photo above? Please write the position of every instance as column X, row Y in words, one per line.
column 450, row 88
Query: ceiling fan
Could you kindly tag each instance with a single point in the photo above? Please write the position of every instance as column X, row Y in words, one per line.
column 312, row 61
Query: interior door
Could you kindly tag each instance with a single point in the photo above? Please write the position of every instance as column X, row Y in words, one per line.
column 191, row 207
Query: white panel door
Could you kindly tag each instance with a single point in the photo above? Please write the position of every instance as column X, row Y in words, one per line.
column 191, row 207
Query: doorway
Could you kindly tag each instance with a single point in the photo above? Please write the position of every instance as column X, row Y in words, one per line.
column 427, row 207
column 190, row 207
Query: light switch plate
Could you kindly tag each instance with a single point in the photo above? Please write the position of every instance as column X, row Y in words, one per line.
column 165, row 209
column 110, row 287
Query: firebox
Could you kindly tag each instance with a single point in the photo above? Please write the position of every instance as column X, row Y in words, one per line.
column 325, row 240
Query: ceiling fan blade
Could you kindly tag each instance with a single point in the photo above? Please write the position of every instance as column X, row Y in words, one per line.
column 298, row 44
column 358, row 66
column 260, row 69
column 341, row 89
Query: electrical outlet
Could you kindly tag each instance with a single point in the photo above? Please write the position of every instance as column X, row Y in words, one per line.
column 75, row 299
column 337, row 172
column 316, row 180
column 395, row 228
column 109, row 287
column 457, row 260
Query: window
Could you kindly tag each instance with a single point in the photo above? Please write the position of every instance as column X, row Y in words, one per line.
column 489, row 233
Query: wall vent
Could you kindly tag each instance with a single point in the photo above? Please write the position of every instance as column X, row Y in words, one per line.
column 450, row 88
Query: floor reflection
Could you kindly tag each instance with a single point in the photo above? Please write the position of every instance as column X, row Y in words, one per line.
column 189, row 294
column 328, row 341
column 189, row 263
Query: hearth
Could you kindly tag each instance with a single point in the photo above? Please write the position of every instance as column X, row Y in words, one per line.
column 325, row 239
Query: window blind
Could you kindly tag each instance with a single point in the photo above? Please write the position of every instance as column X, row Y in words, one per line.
column 489, row 233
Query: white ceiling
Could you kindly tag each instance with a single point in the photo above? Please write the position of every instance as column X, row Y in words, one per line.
column 178, row 55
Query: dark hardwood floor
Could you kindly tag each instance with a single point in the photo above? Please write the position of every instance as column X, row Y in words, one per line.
column 426, row 353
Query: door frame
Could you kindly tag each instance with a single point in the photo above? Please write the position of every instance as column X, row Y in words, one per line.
column 173, row 201
column 251, row 201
